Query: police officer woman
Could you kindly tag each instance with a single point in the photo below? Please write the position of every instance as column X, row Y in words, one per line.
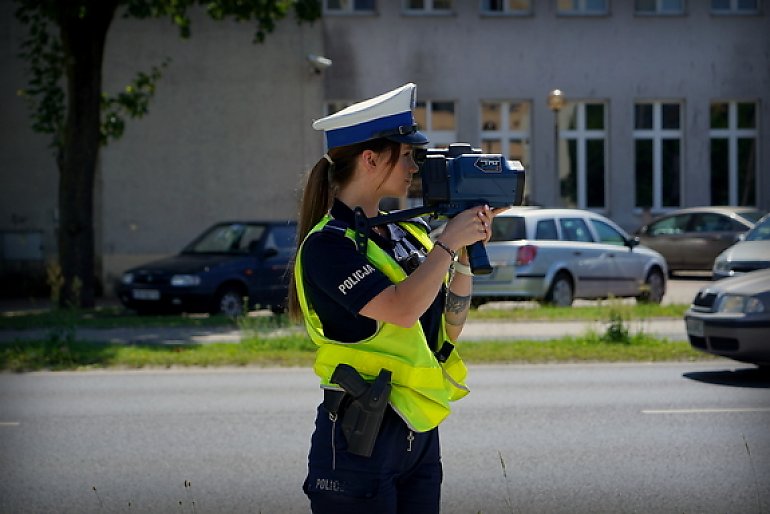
column 384, row 303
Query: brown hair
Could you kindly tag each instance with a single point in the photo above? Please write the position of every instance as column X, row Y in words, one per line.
column 323, row 181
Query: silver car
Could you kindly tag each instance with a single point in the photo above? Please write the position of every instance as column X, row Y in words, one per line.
column 731, row 318
column 751, row 253
column 557, row 255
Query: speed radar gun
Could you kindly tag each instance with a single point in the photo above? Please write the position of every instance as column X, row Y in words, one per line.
column 460, row 177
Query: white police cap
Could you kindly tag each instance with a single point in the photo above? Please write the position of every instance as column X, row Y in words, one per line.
column 388, row 115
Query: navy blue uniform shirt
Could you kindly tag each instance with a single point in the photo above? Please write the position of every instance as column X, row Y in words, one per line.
column 339, row 281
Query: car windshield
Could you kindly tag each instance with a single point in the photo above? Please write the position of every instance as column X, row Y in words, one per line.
column 233, row 238
column 752, row 216
column 508, row 228
column 760, row 232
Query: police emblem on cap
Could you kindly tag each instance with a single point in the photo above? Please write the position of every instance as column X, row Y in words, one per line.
column 388, row 115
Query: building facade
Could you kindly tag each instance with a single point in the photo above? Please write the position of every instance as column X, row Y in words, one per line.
column 665, row 105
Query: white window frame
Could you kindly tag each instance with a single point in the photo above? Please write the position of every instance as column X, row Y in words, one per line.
column 348, row 9
column 582, row 135
column 428, row 9
column 504, row 135
column 661, row 10
column 506, row 9
column 657, row 133
column 732, row 133
column 735, row 9
column 580, row 8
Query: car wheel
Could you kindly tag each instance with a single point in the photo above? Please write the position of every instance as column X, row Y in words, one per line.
column 654, row 288
column 561, row 292
column 229, row 302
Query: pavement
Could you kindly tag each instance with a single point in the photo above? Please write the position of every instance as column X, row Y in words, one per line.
column 680, row 290
column 673, row 329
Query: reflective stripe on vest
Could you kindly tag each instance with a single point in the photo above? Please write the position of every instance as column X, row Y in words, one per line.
column 422, row 387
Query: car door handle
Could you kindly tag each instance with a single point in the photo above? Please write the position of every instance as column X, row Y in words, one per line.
column 577, row 253
column 610, row 255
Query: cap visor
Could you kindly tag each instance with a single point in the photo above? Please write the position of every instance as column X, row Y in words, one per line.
column 415, row 138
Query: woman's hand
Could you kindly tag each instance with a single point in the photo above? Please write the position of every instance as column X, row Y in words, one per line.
column 470, row 226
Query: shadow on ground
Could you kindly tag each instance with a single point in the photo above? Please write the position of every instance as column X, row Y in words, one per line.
column 741, row 377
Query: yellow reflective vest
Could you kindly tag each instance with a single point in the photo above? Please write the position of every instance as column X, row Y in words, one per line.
column 422, row 387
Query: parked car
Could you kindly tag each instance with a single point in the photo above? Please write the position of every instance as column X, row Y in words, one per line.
column 731, row 318
column 690, row 239
column 751, row 253
column 557, row 255
column 228, row 262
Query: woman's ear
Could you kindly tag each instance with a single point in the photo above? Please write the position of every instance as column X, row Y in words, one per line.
column 369, row 158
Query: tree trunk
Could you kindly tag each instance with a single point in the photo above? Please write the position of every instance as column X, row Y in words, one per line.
column 84, row 28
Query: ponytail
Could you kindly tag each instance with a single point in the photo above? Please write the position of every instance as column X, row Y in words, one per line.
column 331, row 173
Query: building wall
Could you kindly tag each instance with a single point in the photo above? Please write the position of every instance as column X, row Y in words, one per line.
column 619, row 58
column 228, row 136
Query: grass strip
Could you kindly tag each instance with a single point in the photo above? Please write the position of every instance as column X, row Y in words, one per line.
column 299, row 351
column 114, row 317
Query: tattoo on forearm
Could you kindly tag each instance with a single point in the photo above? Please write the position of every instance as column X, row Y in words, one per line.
column 456, row 309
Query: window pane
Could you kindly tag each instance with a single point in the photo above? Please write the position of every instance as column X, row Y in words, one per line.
column 334, row 4
column 568, row 117
column 643, row 116
column 567, row 5
column 596, row 5
column 594, row 116
column 518, row 150
column 490, row 116
column 670, row 172
column 748, row 5
column 420, row 115
column 719, row 115
column 643, row 181
column 415, row 4
column 491, row 146
column 720, row 4
column 746, row 171
column 607, row 234
column 442, row 5
column 546, row 230
column 443, row 116
column 508, row 228
column 493, row 5
column 568, row 174
column 645, row 5
column 719, row 172
column 746, row 115
column 518, row 5
column 595, row 173
column 669, row 116
column 575, row 229
column 518, row 116
column 671, row 6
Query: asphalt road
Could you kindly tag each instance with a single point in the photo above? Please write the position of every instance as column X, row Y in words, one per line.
column 561, row 438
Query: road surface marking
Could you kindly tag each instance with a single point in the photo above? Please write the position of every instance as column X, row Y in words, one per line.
column 706, row 411
column 9, row 423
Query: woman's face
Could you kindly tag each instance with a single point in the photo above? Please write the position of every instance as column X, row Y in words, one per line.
column 399, row 178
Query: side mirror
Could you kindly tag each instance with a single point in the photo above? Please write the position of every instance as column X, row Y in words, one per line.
column 269, row 252
column 630, row 243
column 740, row 237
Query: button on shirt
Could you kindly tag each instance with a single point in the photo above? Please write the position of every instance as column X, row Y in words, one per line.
column 340, row 281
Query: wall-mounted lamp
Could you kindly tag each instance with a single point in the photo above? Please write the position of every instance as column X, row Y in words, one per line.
column 318, row 62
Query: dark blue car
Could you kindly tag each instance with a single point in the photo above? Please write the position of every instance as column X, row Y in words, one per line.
column 229, row 263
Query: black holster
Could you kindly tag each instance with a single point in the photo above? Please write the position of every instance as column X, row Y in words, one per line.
column 362, row 417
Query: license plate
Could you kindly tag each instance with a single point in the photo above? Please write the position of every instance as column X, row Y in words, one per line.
column 695, row 327
column 146, row 294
